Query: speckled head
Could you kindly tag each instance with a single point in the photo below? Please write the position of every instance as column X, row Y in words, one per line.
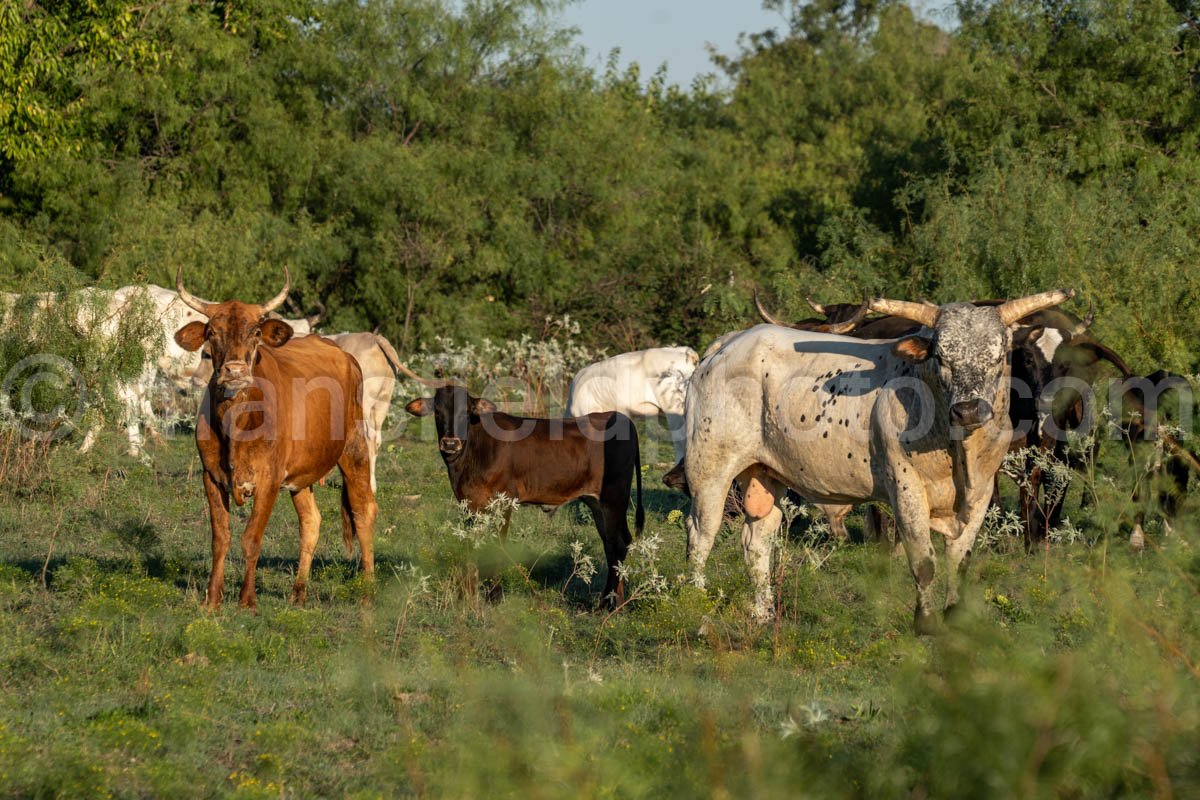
column 968, row 346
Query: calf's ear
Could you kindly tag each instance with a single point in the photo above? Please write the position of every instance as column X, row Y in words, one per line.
column 481, row 405
column 913, row 348
column 421, row 407
column 191, row 336
column 275, row 332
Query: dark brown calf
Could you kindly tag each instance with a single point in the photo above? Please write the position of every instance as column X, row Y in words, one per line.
column 544, row 462
column 278, row 413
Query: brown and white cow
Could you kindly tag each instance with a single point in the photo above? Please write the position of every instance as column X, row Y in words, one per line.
column 278, row 413
column 544, row 462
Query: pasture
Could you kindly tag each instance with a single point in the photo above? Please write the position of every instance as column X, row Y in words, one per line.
column 477, row 668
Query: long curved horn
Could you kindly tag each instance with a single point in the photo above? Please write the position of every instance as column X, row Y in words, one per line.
column 197, row 303
column 762, row 312
column 314, row 319
column 276, row 301
column 1086, row 322
column 924, row 313
column 815, row 306
column 1013, row 310
column 844, row 328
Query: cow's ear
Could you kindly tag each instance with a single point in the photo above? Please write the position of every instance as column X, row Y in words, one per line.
column 191, row 336
column 421, row 407
column 481, row 405
column 913, row 348
column 1028, row 335
column 275, row 332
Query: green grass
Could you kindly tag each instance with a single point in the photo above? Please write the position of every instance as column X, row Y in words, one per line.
column 470, row 670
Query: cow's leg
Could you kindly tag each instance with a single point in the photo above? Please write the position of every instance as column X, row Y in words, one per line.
column 958, row 550
column 763, row 516
column 1031, row 512
column 358, row 503
column 704, row 522
column 132, row 404
column 89, row 439
column 374, row 436
column 678, row 430
column 310, row 529
column 614, row 553
column 264, row 502
column 148, row 415
column 507, row 521
column 218, row 515
column 373, row 452
column 912, row 523
column 1054, row 509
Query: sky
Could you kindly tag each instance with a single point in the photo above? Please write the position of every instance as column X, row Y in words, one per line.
column 675, row 31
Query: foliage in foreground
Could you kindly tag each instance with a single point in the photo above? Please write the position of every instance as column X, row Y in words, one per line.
column 473, row 668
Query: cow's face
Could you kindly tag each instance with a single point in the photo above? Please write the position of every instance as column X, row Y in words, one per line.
column 971, row 347
column 1032, row 365
column 232, row 338
column 968, row 348
column 453, row 410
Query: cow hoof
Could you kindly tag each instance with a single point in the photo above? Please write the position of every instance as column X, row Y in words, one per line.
column 926, row 624
column 299, row 596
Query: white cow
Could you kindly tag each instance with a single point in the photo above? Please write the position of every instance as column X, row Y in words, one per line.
column 644, row 383
column 100, row 312
column 919, row 422
column 377, row 359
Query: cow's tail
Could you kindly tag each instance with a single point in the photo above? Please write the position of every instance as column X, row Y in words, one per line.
column 393, row 359
column 640, row 517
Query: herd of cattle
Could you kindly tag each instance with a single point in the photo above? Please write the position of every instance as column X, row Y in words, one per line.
column 915, row 408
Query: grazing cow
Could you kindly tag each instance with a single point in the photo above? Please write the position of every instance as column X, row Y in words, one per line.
column 278, row 413
column 544, row 462
column 644, row 383
column 920, row 423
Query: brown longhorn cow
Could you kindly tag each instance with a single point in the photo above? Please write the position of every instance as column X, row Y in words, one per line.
column 278, row 413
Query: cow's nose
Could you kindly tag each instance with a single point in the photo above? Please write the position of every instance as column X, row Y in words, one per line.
column 971, row 413
column 450, row 444
column 234, row 369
